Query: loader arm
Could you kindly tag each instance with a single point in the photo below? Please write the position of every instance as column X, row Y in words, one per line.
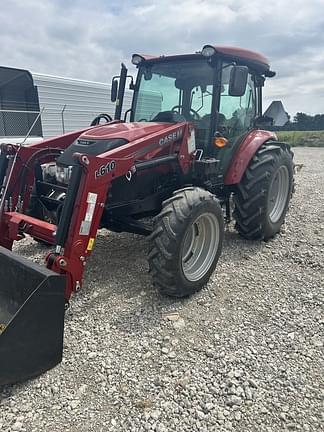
column 87, row 197
column 91, row 179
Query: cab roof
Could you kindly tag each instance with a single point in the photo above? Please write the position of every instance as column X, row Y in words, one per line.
column 254, row 60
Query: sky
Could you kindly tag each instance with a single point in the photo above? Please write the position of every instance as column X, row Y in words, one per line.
column 88, row 39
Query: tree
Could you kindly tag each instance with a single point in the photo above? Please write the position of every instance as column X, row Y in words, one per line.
column 304, row 122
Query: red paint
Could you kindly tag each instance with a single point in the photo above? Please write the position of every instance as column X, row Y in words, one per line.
column 251, row 143
column 127, row 131
column 244, row 54
column 32, row 226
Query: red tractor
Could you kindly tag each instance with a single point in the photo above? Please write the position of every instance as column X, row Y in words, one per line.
column 194, row 148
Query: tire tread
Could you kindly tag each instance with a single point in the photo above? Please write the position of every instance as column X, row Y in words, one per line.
column 168, row 229
column 251, row 193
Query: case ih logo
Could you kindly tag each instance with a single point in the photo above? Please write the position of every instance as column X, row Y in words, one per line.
column 174, row 136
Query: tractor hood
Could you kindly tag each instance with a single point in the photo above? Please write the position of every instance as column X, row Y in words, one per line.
column 101, row 139
column 126, row 131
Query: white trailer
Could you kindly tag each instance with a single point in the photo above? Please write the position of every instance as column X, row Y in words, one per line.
column 71, row 104
column 44, row 106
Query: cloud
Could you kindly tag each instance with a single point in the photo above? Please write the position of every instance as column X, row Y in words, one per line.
column 87, row 40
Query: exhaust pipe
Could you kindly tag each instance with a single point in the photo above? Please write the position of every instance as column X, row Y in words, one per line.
column 31, row 318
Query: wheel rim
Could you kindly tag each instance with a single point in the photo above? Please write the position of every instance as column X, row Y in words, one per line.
column 278, row 194
column 200, row 246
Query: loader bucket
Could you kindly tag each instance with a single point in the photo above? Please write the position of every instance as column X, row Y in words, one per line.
column 31, row 318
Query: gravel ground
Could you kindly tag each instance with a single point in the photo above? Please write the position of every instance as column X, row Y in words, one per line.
column 245, row 354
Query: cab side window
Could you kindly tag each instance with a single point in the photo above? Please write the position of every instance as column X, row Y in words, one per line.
column 201, row 100
column 237, row 112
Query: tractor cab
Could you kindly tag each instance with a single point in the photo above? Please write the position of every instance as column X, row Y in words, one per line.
column 218, row 90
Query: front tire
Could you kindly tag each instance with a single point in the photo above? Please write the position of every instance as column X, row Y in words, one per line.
column 186, row 242
column 262, row 197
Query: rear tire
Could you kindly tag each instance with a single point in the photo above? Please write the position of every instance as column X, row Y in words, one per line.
column 186, row 242
column 262, row 197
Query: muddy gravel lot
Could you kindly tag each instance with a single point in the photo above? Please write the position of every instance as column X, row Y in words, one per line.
column 244, row 354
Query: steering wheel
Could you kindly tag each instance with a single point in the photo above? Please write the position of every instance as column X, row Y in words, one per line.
column 97, row 119
column 191, row 110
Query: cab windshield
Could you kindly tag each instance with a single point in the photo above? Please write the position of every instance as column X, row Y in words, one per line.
column 176, row 91
column 183, row 87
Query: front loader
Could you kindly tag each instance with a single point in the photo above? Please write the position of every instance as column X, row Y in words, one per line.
column 192, row 144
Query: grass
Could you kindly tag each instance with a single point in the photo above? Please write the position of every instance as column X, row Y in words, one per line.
column 302, row 138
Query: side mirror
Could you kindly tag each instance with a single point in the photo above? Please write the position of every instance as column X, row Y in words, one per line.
column 114, row 89
column 238, row 80
column 277, row 113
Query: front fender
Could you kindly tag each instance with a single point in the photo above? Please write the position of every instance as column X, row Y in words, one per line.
column 242, row 157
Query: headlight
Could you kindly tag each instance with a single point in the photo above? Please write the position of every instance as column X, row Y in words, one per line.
column 49, row 170
column 208, row 51
column 63, row 174
column 137, row 59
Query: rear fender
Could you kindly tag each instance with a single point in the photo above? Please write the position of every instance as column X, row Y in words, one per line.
column 242, row 157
